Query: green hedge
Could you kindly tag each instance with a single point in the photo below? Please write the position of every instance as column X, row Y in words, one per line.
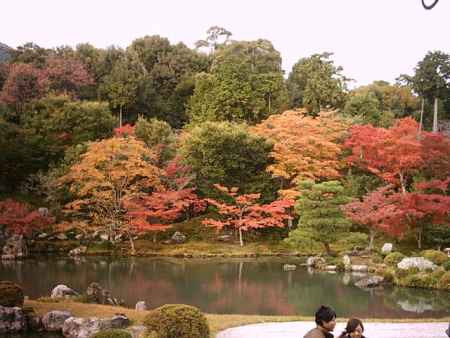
column 393, row 258
column 437, row 257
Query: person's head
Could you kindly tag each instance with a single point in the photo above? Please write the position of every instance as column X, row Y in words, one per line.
column 326, row 318
column 354, row 328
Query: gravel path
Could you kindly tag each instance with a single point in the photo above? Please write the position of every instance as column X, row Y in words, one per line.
column 372, row 330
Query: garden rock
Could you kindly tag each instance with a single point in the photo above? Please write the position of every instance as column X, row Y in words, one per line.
column 42, row 236
column 141, row 306
column 61, row 237
column 178, row 238
column 79, row 237
column 62, row 291
column 43, row 212
column 289, row 267
column 54, row 320
column 369, row 282
column 387, row 248
column 33, row 321
column 15, row 248
column 78, row 251
column 104, row 237
column 360, row 268
column 12, row 319
column 75, row 327
column 416, row 262
column 315, row 261
column 96, row 294
column 331, row 267
column 225, row 238
column 137, row 331
column 346, row 260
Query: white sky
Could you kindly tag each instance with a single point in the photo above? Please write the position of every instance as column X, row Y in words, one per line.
column 371, row 39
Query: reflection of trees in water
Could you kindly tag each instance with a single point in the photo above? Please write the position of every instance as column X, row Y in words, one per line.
column 220, row 286
column 419, row 301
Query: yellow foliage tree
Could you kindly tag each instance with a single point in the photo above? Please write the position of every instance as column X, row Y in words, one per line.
column 111, row 171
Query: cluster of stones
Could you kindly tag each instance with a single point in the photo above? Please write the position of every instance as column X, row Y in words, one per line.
column 15, row 318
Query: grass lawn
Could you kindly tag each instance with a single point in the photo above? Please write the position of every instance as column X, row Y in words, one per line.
column 216, row 322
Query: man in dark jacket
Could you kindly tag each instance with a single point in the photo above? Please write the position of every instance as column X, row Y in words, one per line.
column 326, row 322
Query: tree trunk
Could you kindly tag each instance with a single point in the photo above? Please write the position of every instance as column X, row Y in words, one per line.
column 371, row 238
column 241, row 242
column 327, row 248
column 120, row 116
column 421, row 115
column 133, row 249
column 419, row 237
column 403, row 183
column 435, row 116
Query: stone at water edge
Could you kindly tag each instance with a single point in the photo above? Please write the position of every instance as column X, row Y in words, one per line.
column 141, row 306
column 78, row 251
column 370, row 282
column 331, row 268
column 75, row 327
column 346, row 260
column 315, row 261
column 61, row 237
column 15, row 248
column 360, row 268
column 387, row 248
column 54, row 320
column 178, row 238
column 62, row 290
column 289, row 267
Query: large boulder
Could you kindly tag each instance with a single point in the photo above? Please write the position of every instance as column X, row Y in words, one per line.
column 75, row 327
column 11, row 294
column 369, row 282
column 15, row 248
column 12, row 320
column 63, row 291
column 178, row 238
column 54, row 320
column 387, row 248
column 96, row 294
column 416, row 262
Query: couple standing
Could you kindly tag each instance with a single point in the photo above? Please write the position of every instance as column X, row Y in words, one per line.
column 326, row 322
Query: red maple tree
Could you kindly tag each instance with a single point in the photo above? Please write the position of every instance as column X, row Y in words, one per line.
column 20, row 219
column 244, row 213
column 155, row 212
column 124, row 131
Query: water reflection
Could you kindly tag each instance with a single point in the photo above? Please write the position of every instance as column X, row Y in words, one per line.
column 247, row 286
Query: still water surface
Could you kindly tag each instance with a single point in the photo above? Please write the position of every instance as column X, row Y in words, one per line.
column 245, row 286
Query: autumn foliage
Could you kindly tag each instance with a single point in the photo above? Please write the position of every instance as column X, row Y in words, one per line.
column 304, row 147
column 20, row 218
column 244, row 213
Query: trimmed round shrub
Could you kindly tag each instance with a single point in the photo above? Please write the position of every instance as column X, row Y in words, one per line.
column 177, row 321
column 11, row 294
column 437, row 257
column 112, row 334
column 393, row 258
column 444, row 282
column 446, row 265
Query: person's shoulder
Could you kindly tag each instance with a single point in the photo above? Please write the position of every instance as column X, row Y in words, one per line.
column 314, row 333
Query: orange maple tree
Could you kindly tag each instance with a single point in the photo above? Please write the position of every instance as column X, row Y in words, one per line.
column 110, row 172
column 244, row 213
column 304, row 147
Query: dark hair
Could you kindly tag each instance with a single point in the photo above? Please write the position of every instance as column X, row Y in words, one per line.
column 352, row 324
column 324, row 314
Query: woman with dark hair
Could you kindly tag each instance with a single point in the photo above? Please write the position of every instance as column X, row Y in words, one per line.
column 354, row 329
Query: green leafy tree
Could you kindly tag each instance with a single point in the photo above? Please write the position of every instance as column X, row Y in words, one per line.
column 245, row 84
column 226, row 153
column 316, row 83
column 321, row 217
column 215, row 37
column 120, row 87
column 431, row 80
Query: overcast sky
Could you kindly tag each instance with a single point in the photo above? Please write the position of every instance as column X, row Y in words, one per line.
column 371, row 39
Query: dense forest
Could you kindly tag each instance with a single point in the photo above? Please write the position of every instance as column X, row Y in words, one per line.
column 132, row 140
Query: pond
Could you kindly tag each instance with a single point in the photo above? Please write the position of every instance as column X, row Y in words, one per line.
column 232, row 286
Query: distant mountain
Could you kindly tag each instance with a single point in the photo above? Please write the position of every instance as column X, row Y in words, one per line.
column 5, row 52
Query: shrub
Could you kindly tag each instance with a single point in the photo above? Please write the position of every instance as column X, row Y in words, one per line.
column 11, row 294
column 444, row 282
column 446, row 265
column 388, row 276
column 177, row 321
column 437, row 257
column 393, row 258
column 112, row 334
